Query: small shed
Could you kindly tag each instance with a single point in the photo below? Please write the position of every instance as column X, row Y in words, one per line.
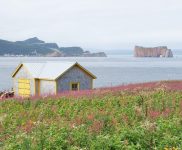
column 50, row 78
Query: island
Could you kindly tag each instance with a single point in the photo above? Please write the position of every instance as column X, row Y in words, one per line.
column 34, row 47
column 161, row 51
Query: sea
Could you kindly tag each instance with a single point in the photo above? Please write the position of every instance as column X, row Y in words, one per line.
column 116, row 69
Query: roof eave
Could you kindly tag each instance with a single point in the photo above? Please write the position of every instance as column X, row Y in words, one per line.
column 88, row 72
column 82, row 68
column 16, row 70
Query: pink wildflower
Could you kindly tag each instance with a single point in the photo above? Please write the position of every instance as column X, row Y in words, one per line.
column 154, row 114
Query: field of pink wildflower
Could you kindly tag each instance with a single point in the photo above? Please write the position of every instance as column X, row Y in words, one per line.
column 135, row 116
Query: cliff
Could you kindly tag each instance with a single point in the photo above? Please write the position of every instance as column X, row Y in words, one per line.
column 99, row 54
column 37, row 47
column 161, row 51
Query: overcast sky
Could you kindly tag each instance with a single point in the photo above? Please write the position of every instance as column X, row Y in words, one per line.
column 94, row 24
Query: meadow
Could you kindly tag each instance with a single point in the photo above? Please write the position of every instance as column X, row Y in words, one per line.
column 142, row 116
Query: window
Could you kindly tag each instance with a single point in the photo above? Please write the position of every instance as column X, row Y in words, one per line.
column 74, row 86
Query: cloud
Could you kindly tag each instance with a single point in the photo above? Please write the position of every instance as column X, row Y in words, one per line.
column 93, row 23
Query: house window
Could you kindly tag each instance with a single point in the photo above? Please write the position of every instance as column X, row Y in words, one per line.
column 74, row 86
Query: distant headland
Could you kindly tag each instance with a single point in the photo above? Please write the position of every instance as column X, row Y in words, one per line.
column 38, row 48
column 161, row 51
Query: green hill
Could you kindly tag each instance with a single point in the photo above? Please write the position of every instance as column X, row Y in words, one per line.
column 37, row 47
column 25, row 48
column 109, row 119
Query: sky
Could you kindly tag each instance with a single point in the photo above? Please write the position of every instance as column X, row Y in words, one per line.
column 94, row 24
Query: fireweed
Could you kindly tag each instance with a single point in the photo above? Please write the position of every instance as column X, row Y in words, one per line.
column 126, row 117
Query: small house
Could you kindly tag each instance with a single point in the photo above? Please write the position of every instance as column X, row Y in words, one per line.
column 50, row 78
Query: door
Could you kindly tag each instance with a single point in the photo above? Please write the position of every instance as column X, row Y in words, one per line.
column 24, row 87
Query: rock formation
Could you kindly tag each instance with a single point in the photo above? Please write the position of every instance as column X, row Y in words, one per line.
column 161, row 51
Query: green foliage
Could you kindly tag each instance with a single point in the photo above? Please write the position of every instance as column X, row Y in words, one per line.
column 29, row 46
column 21, row 48
column 72, row 51
column 121, row 120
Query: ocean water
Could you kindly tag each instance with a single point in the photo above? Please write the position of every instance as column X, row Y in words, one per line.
column 111, row 71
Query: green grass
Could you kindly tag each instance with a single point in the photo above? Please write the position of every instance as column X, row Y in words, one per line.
column 119, row 120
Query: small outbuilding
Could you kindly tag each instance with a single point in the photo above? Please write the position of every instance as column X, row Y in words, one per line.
column 50, row 78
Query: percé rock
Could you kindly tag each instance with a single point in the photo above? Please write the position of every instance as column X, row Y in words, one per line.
column 161, row 51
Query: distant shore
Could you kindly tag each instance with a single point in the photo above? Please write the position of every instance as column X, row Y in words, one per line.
column 34, row 47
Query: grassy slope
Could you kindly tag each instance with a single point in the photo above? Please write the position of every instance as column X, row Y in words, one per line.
column 139, row 119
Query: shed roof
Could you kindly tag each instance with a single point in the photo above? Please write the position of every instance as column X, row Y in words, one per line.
column 50, row 70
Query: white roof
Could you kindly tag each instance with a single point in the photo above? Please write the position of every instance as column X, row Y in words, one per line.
column 34, row 68
column 52, row 70
column 49, row 70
